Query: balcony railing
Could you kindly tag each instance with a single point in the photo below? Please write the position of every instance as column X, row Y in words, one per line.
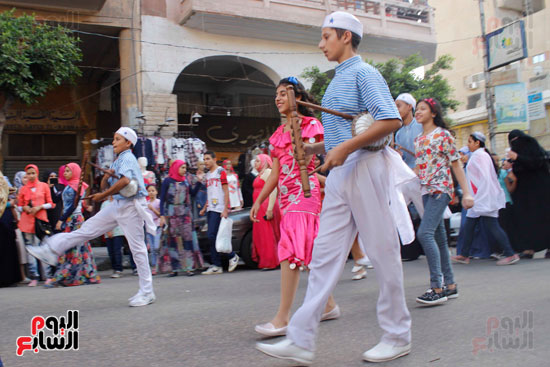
column 417, row 11
column 394, row 27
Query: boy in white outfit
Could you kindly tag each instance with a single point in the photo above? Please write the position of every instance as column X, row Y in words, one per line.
column 357, row 199
column 127, row 212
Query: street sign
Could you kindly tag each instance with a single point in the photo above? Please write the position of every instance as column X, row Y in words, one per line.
column 506, row 45
column 535, row 104
column 511, row 107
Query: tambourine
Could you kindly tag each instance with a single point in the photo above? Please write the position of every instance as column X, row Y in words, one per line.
column 360, row 124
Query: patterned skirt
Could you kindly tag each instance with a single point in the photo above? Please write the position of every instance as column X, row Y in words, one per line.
column 77, row 265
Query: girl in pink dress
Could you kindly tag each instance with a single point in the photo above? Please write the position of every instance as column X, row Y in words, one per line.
column 300, row 215
column 265, row 232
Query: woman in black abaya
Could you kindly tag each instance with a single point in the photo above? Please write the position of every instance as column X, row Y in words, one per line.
column 532, row 195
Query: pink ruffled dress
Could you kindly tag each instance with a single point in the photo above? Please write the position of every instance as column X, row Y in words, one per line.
column 300, row 215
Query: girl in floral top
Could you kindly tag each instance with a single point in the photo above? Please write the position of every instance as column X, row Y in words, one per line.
column 435, row 155
column 300, row 215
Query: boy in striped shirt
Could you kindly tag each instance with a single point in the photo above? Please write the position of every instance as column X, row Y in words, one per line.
column 357, row 199
column 127, row 212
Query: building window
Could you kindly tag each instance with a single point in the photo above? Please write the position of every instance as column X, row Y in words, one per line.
column 44, row 145
column 539, row 58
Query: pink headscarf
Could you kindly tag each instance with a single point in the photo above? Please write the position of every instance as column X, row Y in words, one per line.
column 73, row 182
column 29, row 183
column 60, row 176
column 225, row 163
column 174, row 170
column 265, row 161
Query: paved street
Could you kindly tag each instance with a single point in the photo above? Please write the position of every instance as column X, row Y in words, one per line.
column 209, row 320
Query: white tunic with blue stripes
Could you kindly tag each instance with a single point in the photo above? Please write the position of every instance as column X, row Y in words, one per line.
column 356, row 87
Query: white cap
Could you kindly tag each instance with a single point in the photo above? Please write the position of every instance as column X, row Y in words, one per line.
column 408, row 99
column 128, row 134
column 343, row 20
column 479, row 136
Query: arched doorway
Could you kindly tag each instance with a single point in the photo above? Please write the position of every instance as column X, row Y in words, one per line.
column 235, row 98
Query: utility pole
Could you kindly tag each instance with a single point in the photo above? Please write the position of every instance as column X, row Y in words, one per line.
column 488, row 94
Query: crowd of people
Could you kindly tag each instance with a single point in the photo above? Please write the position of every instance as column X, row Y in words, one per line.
column 421, row 173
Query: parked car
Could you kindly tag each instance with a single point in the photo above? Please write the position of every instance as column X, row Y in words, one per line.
column 241, row 239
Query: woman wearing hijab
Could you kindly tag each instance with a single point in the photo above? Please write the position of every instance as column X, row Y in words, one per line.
column 77, row 265
column 34, row 198
column 248, row 185
column 265, row 232
column 235, row 194
column 480, row 246
column 18, row 182
column 488, row 200
column 56, row 192
column 532, row 194
column 175, row 211
column 9, row 260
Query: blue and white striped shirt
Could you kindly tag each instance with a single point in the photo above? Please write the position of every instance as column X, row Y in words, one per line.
column 126, row 165
column 356, row 87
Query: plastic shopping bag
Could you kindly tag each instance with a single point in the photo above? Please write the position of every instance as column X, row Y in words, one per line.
column 223, row 239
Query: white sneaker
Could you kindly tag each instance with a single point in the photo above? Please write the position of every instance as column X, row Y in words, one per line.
column 233, row 262
column 43, row 253
column 286, row 349
column 383, row 352
column 213, row 270
column 138, row 294
column 142, row 300
column 116, row 274
column 332, row 314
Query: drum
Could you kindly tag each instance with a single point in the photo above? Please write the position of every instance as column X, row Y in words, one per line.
column 360, row 124
column 130, row 190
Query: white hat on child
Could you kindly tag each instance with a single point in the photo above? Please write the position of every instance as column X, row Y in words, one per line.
column 343, row 20
column 408, row 99
column 128, row 134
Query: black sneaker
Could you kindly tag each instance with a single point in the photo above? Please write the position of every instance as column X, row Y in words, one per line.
column 432, row 298
column 451, row 293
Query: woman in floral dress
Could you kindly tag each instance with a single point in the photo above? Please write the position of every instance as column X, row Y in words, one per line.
column 175, row 210
column 77, row 265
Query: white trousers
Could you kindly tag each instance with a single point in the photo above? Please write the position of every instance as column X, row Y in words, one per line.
column 121, row 213
column 357, row 199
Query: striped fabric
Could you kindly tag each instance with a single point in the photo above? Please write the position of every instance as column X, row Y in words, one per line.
column 357, row 87
column 126, row 165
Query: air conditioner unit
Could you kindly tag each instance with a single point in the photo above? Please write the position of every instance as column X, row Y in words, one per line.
column 472, row 85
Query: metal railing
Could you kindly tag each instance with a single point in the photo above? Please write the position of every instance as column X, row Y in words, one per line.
column 416, row 11
column 408, row 10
